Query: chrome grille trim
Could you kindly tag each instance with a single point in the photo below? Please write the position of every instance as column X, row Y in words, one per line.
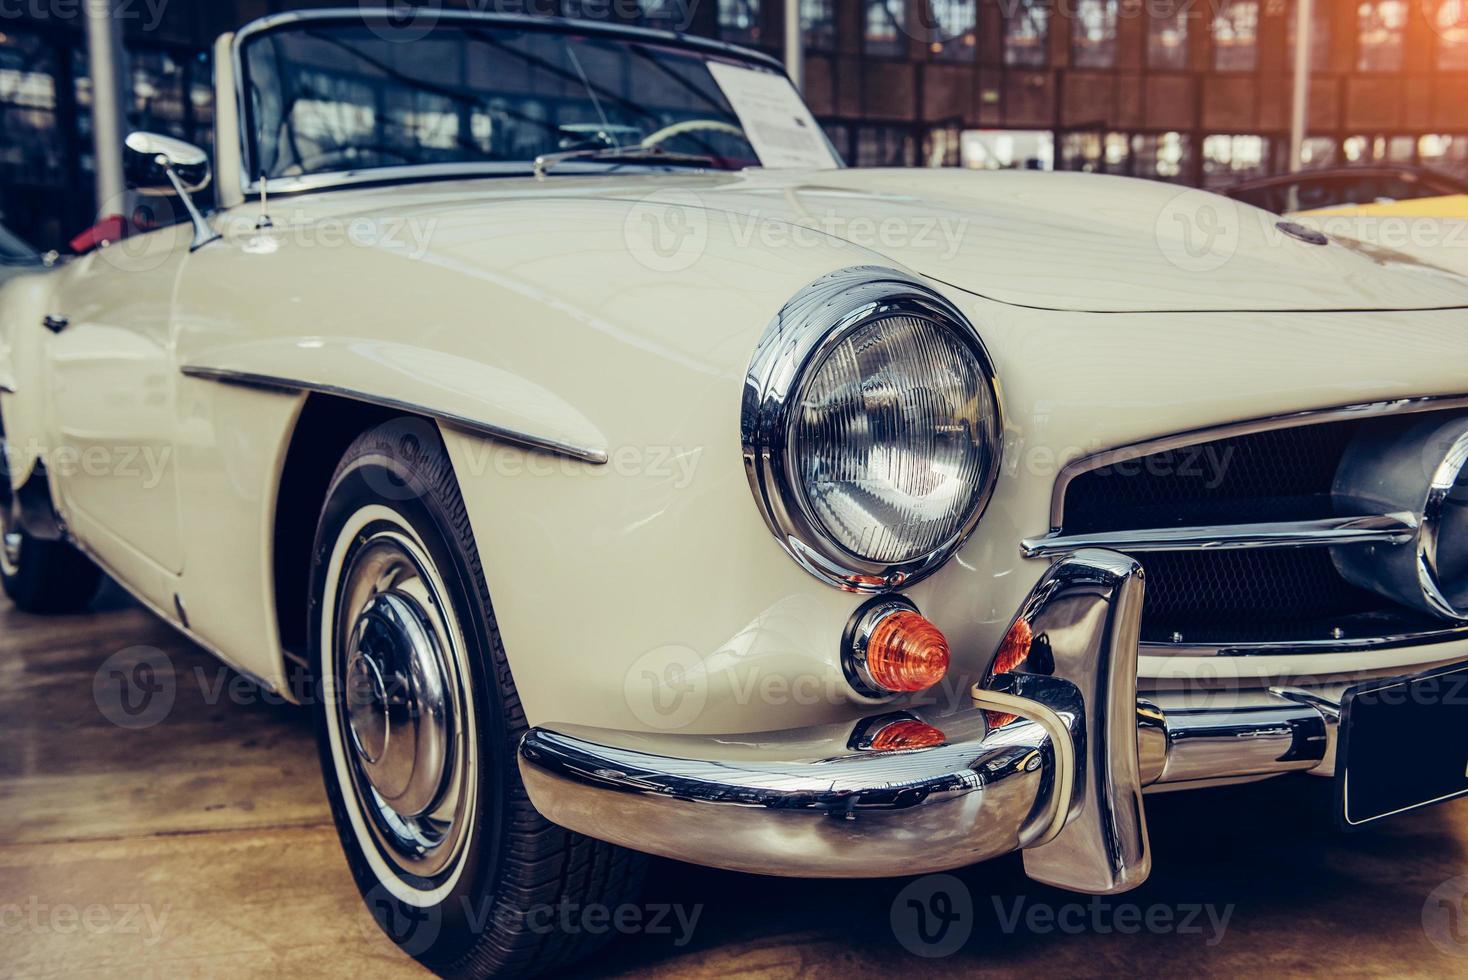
column 1325, row 533
column 1182, row 440
column 1448, row 633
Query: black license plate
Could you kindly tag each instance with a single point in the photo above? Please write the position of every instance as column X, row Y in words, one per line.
column 1403, row 744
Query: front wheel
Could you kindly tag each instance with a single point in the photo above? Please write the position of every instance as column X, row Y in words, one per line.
column 419, row 724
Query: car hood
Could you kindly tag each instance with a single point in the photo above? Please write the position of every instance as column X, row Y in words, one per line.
column 1056, row 241
column 1068, row 241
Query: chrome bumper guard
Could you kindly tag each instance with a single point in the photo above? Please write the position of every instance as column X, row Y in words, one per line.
column 1051, row 761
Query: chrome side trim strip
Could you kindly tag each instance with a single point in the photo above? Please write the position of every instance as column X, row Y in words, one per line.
column 1328, row 532
column 584, row 454
column 1280, row 648
column 1399, row 406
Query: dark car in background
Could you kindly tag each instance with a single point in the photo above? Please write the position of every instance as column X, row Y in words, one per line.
column 1339, row 186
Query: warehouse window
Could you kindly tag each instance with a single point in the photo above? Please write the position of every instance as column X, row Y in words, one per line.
column 739, row 21
column 1026, row 33
column 885, row 28
column 1167, row 35
column 1236, row 35
column 1445, row 152
column 1228, row 159
column 1319, row 35
column 32, row 141
column 1380, row 25
column 950, row 29
column 818, row 19
column 839, row 133
column 885, row 146
column 1316, row 153
column 1162, row 156
column 1379, row 149
column 157, row 102
column 1450, row 22
column 1093, row 37
column 1007, row 149
column 941, row 147
column 1096, row 153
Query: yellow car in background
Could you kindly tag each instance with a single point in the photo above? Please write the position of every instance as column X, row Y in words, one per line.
column 1404, row 210
column 1433, row 230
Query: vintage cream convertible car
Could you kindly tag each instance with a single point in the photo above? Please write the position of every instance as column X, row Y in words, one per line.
column 614, row 473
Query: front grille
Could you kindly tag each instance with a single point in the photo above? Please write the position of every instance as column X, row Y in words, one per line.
column 1278, row 475
column 1238, row 596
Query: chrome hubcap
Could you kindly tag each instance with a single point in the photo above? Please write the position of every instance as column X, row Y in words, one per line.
column 400, row 713
column 399, row 718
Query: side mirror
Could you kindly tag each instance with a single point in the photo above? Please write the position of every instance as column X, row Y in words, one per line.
column 161, row 165
column 148, row 158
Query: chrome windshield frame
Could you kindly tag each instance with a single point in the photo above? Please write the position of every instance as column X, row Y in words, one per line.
column 250, row 187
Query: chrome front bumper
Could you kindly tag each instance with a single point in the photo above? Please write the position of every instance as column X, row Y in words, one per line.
column 1051, row 760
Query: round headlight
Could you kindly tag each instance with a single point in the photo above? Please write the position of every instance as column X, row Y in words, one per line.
column 871, row 429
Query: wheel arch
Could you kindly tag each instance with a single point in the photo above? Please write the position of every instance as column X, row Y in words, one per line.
column 325, row 427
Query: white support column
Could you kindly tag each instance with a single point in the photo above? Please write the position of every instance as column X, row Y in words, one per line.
column 104, row 52
column 794, row 44
column 1300, row 108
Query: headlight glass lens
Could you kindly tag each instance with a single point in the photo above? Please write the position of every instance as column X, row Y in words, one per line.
column 893, row 438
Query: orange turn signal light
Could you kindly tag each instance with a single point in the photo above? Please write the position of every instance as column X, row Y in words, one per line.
column 906, row 734
column 1015, row 649
column 898, row 651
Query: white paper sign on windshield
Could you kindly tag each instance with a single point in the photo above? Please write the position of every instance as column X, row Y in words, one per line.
column 776, row 121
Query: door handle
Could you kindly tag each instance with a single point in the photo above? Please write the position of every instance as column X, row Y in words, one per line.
column 55, row 323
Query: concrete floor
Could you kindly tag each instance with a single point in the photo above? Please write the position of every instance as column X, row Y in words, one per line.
column 200, row 845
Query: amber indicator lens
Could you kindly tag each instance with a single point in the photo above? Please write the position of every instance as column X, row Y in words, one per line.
column 1015, row 649
column 906, row 653
column 906, row 734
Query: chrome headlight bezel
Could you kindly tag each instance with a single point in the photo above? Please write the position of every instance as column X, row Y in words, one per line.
column 821, row 316
column 1410, row 470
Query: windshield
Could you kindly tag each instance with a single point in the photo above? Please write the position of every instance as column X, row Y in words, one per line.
column 329, row 97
